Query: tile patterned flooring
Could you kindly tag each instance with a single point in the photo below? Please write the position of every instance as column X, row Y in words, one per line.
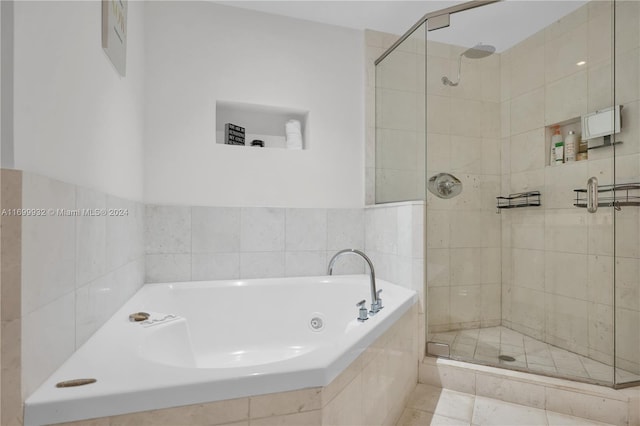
column 485, row 344
column 429, row 405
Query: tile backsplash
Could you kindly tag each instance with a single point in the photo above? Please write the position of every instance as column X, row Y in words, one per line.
column 208, row 243
column 66, row 270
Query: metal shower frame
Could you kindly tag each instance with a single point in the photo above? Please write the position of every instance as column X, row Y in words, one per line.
column 439, row 13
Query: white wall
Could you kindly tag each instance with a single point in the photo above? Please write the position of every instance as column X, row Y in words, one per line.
column 76, row 119
column 200, row 52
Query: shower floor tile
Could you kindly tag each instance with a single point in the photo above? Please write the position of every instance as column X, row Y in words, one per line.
column 486, row 344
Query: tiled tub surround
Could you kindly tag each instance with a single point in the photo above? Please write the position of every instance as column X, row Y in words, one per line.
column 63, row 276
column 394, row 240
column 372, row 390
column 184, row 243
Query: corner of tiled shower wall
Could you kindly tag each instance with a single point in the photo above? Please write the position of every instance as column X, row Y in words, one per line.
column 184, row 243
column 75, row 270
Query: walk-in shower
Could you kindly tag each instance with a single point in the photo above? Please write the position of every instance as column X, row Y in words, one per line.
column 531, row 281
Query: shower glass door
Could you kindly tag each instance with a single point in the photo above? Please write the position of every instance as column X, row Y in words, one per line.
column 530, row 281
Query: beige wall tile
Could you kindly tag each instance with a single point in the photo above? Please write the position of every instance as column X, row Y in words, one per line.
column 490, row 307
column 11, row 247
column 285, row 403
column 486, row 409
column 566, row 322
column 439, row 114
column 600, row 34
column 448, row 377
column 527, row 69
column 566, row 230
column 528, row 151
column 466, row 117
column 586, row 406
column 398, row 71
column 599, row 88
column 527, row 181
column 528, row 268
column 527, row 230
column 566, row 98
column 437, row 67
column 626, row 233
column 600, row 279
column 628, row 341
column 11, row 405
column 528, row 309
column 506, row 390
column 560, row 181
column 397, row 109
column 601, row 330
column 214, row 413
column 527, row 111
column 308, row 418
column 564, row 52
column 627, row 15
column 600, row 233
column 346, row 408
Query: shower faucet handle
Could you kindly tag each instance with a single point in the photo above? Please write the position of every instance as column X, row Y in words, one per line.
column 362, row 312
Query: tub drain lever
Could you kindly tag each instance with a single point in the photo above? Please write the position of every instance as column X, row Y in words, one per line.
column 362, row 313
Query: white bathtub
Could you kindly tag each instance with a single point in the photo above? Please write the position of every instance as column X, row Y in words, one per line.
column 218, row 340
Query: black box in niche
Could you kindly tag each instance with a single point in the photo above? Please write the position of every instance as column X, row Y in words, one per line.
column 233, row 135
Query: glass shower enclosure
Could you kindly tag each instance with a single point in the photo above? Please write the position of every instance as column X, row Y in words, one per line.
column 518, row 124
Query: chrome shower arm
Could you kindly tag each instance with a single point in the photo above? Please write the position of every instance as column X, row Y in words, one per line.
column 445, row 79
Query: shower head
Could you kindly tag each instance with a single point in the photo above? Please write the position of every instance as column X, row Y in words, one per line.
column 478, row 51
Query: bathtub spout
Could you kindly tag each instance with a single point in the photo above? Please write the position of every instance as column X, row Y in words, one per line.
column 376, row 302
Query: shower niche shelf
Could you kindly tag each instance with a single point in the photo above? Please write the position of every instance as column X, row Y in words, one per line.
column 521, row 199
column 261, row 122
column 620, row 195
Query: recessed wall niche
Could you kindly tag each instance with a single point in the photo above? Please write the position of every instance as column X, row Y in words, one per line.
column 265, row 123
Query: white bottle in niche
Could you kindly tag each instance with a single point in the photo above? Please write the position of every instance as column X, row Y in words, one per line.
column 571, row 146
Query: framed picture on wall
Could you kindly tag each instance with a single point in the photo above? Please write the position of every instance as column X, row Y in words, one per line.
column 114, row 33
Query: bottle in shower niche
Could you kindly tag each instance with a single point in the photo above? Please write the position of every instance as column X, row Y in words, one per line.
column 557, row 146
column 571, row 146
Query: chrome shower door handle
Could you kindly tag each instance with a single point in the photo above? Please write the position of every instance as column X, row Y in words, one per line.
column 592, row 194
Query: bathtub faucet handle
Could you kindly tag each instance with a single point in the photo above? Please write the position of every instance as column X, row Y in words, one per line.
column 378, row 303
column 362, row 313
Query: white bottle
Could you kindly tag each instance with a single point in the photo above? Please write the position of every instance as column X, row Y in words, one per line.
column 571, row 146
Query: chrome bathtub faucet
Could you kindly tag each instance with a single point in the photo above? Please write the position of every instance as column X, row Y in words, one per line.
column 376, row 302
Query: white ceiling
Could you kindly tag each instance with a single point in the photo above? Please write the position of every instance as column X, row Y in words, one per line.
column 502, row 24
